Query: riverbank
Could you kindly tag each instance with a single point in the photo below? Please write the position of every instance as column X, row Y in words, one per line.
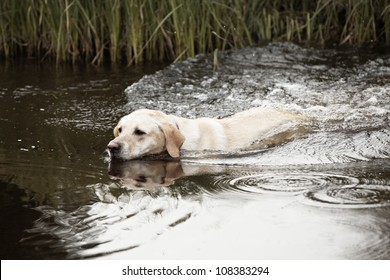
column 138, row 30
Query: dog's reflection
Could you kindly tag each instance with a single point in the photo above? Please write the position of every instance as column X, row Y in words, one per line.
column 143, row 174
column 151, row 174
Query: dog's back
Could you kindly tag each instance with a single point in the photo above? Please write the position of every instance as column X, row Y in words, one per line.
column 246, row 128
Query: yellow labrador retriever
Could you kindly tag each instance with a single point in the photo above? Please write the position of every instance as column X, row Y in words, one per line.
column 146, row 132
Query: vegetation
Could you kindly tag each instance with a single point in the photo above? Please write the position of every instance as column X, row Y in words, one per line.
column 138, row 30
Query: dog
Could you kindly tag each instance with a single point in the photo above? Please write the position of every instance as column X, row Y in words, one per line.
column 149, row 132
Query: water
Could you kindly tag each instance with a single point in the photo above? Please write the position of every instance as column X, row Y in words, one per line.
column 325, row 195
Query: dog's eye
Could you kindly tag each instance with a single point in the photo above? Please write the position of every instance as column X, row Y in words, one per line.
column 120, row 130
column 139, row 132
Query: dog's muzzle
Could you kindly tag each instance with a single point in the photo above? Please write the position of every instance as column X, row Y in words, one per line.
column 114, row 148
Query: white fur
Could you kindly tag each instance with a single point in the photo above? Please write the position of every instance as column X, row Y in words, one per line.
column 237, row 132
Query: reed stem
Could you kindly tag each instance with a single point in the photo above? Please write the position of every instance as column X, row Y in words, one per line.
column 139, row 30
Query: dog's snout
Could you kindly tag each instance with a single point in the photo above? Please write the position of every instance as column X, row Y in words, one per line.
column 114, row 147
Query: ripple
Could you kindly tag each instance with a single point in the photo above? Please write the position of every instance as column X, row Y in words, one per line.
column 291, row 183
column 122, row 220
column 354, row 196
column 318, row 189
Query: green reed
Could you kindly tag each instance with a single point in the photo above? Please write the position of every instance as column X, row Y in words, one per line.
column 139, row 30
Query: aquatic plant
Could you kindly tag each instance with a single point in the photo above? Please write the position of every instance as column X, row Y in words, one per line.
column 138, row 30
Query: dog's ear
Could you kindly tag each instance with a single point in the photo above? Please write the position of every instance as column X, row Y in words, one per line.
column 116, row 131
column 173, row 139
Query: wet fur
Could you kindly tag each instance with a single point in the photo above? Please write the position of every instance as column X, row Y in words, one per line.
column 162, row 132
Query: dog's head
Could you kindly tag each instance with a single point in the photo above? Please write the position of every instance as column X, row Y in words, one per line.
column 145, row 132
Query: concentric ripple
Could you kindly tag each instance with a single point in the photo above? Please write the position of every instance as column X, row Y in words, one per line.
column 318, row 189
column 355, row 196
column 293, row 183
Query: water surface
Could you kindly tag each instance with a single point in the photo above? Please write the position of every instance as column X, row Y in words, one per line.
column 325, row 195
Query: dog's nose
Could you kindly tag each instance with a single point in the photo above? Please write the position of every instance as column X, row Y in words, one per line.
column 113, row 146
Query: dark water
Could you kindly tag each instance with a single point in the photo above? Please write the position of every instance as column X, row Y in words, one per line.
column 55, row 124
column 323, row 196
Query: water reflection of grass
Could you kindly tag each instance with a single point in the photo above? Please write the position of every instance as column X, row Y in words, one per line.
column 137, row 30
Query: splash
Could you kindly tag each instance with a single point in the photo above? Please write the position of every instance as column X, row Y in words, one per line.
column 346, row 93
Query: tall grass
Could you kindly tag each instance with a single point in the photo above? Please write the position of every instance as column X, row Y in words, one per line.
column 138, row 30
